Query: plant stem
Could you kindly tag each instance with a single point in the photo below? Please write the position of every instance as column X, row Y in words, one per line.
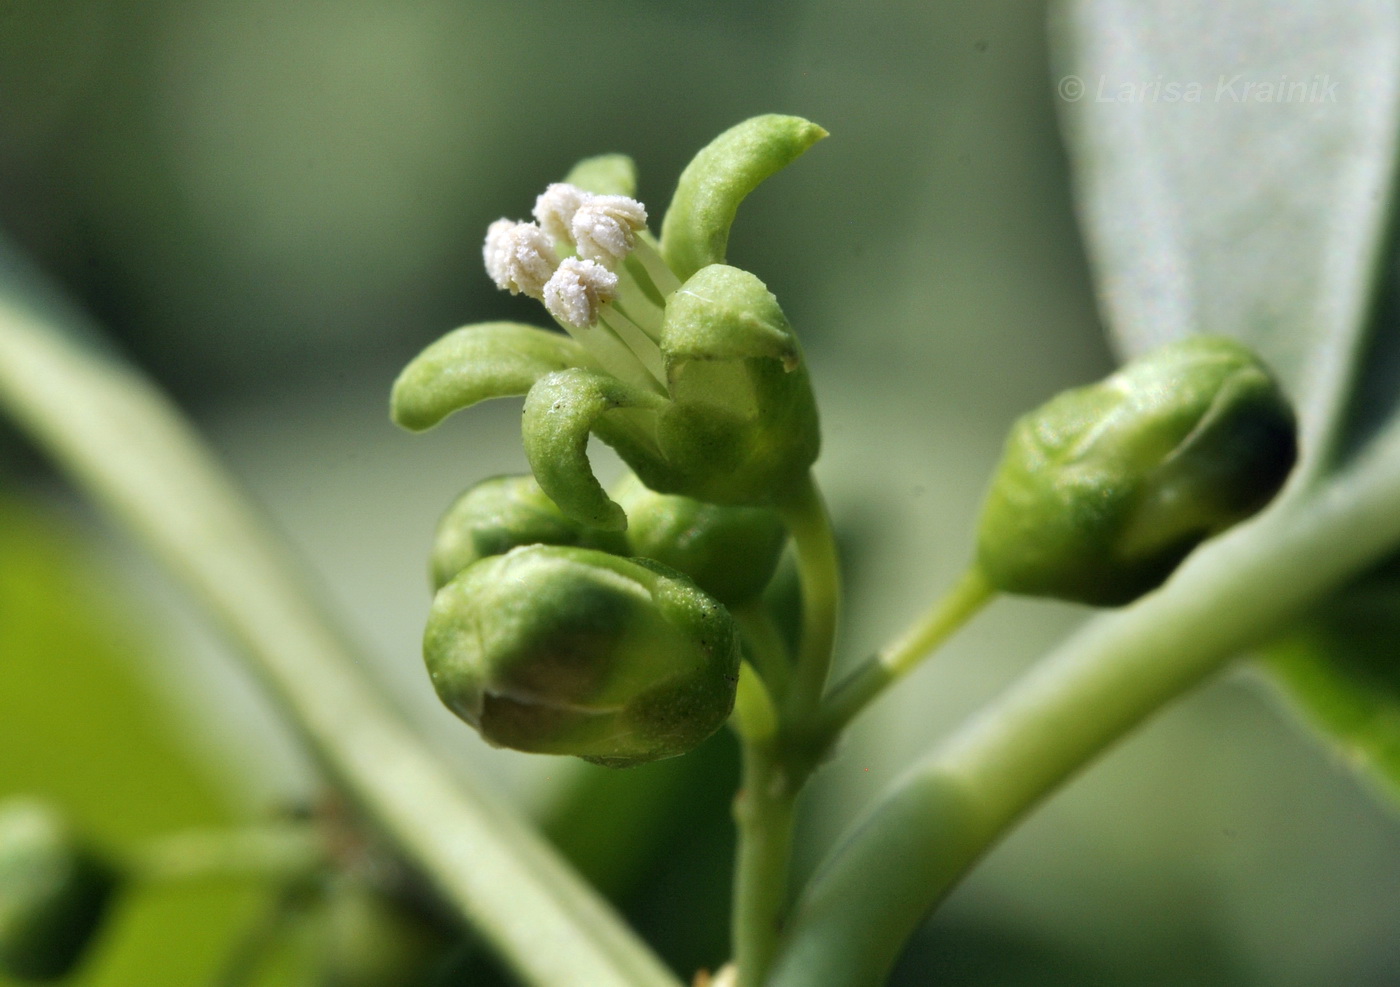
column 954, row 609
column 892, row 867
column 130, row 449
column 281, row 853
column 819, row 573
column 764, row 809
column 764, row 812
column 764, row 645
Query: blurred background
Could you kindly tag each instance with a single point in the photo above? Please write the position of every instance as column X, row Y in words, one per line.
column 271, row 207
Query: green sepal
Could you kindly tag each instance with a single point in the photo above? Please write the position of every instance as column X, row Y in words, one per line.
column 696, row 229
column 561, row 410
column 725, row 313
column 560, row 650
column 730, row 552
column 476, row 363
column 607, row 174
column 503, row 512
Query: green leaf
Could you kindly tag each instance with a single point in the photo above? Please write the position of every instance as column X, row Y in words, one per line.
column 1262, row 214
column 607, row 174
column 1234, row 208
column 561, row 410
column 696, row 229
column 475, row 363
column 1340, row 669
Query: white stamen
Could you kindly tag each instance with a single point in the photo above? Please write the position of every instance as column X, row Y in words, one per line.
column 519, row 257
column 605, row 227
column 578, row 289
column 555, row 208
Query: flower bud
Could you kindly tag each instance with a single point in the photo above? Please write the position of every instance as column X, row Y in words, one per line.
column 1104, row 490
column 501, row 513
column 559, row 650
column 730, row 552
column 54, row 892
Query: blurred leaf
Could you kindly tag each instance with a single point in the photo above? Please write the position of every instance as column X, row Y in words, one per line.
column 1341, row 670
column 78, row 725
column 1251, row 205
column 1256, row 205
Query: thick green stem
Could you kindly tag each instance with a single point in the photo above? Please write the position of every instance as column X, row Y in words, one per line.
column 131, row 450
column 819, row 572
column 875, row 888
column 959, row 605
column 764, row 811
column 280, row 854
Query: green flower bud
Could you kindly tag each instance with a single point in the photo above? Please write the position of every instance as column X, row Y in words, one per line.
column 559, row 650
column 1104, row 490
column 501, row 513
column 54, row 892
column 730, row 552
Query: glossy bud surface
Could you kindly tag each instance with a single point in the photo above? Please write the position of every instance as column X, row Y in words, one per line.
column 1104, row 490
column 560, row 650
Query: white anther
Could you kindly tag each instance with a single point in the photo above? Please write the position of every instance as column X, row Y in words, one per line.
column 519, row 257
column 578, row 289
column 555, row 208
column 605, row 227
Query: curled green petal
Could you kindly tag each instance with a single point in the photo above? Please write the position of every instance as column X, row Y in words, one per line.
column 696, row 228
column 607, row 174
column 560, row 412
column 724, row 313
column 475, row 363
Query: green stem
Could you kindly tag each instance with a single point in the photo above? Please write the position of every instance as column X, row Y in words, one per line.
column 819, row 573
column 130, row 449
column 283, row 854
column 954, row 609
column 764, row 645
column 875, row 888
column 764, row 812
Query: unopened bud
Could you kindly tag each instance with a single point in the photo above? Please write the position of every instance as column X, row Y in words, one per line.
column 501, row 513
column 559, row 650
column 1103, row 491
column 730, row 552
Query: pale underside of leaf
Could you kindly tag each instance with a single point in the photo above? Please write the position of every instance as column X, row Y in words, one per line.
column 1254, row 212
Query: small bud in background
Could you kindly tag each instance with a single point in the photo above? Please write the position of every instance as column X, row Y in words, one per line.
column 501, row 513
column 54, row 892
column 730, row 552
column 559, row 650
column 1104, row 490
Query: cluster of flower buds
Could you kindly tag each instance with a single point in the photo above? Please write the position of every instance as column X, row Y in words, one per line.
column 558, row 626
column 612, row 646
column 55, row 889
